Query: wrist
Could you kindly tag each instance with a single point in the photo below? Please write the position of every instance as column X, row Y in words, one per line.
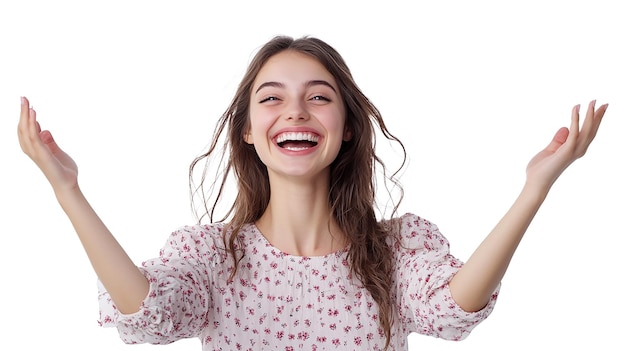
column 66, row 196
column 535, row 191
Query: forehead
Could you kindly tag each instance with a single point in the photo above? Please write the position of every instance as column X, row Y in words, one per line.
column 291, row 66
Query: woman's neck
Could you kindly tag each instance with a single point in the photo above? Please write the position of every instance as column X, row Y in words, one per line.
column 298, row 221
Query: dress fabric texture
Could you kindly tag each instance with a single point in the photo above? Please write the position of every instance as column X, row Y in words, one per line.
column 279, row 301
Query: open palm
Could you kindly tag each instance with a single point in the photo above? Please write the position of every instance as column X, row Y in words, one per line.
column 58, row 167
column 566, row 146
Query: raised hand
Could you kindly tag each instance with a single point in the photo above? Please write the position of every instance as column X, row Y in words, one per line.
column 40, row 146
column 474, row 283
column 566, row 146
column 126, row 285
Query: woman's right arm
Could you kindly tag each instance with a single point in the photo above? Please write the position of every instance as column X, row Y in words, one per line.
column 124, row 282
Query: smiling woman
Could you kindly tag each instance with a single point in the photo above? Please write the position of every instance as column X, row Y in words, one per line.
column 303, row 247
column 302, row 258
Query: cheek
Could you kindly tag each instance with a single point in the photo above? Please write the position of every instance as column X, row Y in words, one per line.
column 336, row 121
column 259, row 126
column 259, row 129
column 257, row 120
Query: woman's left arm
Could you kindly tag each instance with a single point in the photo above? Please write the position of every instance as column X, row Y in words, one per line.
column 474, row 283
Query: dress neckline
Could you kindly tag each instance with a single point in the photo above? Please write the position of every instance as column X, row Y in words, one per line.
column 260, row 238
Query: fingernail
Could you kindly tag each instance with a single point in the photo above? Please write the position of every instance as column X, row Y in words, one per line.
column 22, row 100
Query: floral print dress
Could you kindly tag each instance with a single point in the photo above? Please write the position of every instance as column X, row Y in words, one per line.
column 282, row 302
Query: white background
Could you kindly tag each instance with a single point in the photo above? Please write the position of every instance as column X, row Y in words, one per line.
column 132, row 90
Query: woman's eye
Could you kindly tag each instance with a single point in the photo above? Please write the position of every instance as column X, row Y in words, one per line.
column 320, row 98
column 269, row 98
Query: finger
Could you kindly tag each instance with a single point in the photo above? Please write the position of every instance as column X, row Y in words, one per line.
column 601, row 111
column 589, row 123
column 33, row 126
column 33, row 145
column 597, row 118
column 22, row 126
column 27, row 128
column 574, row 125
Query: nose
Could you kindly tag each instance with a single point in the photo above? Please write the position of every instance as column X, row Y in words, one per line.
column 296, row 110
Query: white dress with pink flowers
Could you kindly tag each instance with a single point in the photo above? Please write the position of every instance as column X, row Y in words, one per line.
column 284, row 302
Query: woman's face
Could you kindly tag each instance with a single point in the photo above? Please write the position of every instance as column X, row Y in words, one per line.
column 297, row 116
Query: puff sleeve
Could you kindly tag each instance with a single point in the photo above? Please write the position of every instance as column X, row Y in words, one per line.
column 424, row 266
column 179, row 299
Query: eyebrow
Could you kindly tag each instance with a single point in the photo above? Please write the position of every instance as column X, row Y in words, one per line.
column 308, row 84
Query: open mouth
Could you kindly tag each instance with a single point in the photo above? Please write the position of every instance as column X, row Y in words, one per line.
column 296, row 141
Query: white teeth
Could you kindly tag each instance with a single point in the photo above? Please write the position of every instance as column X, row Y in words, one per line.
column 296, row 148
column 297, row 136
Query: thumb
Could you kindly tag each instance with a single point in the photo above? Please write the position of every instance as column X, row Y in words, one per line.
column 48, row 140
column 55, row 150
column 559, row 139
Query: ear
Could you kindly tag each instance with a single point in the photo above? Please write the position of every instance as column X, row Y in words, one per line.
column 347, row 134
column 247, row 137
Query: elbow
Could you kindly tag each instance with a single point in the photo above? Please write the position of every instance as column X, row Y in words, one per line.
column 471, row 297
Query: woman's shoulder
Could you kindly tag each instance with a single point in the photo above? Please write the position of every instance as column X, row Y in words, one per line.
column 195, row 241
column 415, row 232
column 196, row 233
column 409, row 224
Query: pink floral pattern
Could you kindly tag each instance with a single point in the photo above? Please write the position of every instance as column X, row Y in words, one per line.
column 284, row 302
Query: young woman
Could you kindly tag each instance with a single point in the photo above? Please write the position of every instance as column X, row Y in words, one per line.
column 301, row 260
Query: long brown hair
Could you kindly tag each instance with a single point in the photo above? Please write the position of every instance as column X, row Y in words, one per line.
column 352, row 195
